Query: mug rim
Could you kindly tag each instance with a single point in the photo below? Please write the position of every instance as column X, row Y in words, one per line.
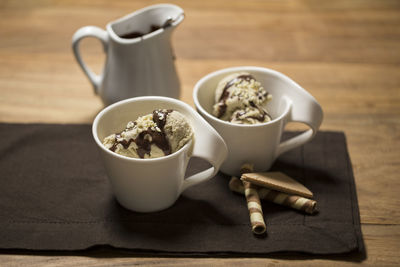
column 189, row 144
column 207, row 77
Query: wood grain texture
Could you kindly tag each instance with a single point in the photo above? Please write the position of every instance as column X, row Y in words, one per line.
column 345, row 53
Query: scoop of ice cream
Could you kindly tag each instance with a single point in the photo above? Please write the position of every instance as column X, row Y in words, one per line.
column 151, row 136
column 240, row 99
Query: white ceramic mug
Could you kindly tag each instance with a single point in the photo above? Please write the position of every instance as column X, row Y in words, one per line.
column 260, row 144
column 147, row 185
column 136, row 66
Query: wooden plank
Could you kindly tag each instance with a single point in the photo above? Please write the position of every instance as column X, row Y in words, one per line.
column 355, row 92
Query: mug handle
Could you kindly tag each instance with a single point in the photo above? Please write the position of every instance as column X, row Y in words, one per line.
column 89, row 31
column 209, row 146
column 304, row 109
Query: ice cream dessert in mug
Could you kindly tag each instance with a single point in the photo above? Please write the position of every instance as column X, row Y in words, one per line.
column 241, row 99
column 154, row 135
column 146, row 143
column 250, row 107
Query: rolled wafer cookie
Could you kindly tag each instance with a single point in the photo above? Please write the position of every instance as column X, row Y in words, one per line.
column 253, row 203
column 296, row 202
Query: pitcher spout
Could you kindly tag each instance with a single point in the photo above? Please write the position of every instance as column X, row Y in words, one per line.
column 174, row 20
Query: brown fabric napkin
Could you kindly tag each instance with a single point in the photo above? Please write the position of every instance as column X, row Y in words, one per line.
column 54, row 195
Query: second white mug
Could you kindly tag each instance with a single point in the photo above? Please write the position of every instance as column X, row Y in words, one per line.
column 260, row 144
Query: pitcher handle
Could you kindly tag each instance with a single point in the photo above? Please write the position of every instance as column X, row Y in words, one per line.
column 89, row 31
column 209, row 146
column 305, row 109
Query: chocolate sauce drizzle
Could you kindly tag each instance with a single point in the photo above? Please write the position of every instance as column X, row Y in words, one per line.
column 263, row 113
column 225, row 94
column 222, row 106
column 135, row 34
column 148, row 137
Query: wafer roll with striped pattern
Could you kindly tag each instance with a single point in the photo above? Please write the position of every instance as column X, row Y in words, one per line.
column 253, row 203
column 292, row 201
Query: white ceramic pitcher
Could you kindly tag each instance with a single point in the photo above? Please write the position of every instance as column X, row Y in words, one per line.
column 135, row 66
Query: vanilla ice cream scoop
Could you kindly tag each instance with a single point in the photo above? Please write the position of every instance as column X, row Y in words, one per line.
column 151, row 136
column 241, row 99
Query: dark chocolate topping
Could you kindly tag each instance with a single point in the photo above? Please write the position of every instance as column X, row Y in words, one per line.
column 243, row 77
column 160, row 117
column 225, row 94
column 114, row 146
column 148, row 137
column 261, row 117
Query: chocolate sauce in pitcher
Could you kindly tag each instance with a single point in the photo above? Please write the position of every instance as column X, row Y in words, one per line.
column 136, row 34
column 153, row 28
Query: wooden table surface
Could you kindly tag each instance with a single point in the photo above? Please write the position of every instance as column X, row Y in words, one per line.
column 345, row 53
